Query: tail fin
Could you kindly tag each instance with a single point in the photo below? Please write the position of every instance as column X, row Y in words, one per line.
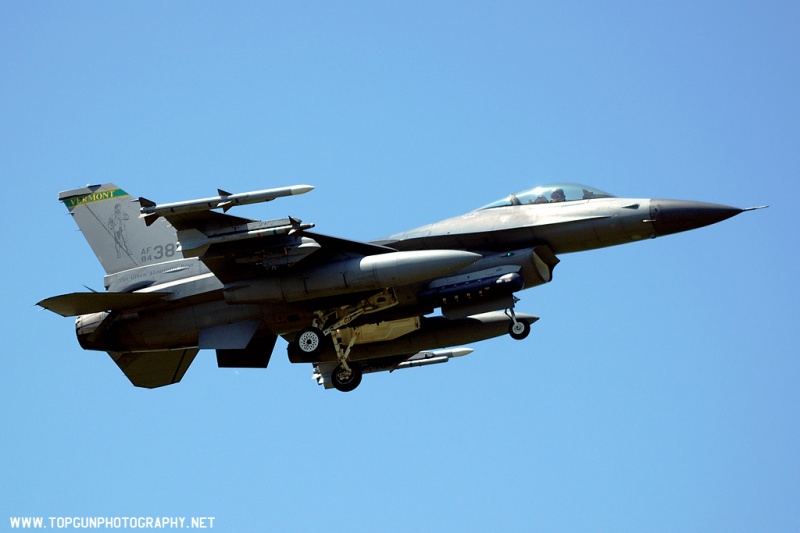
column 109, row 219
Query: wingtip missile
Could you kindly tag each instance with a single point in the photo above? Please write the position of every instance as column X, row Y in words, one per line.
column 150, row 210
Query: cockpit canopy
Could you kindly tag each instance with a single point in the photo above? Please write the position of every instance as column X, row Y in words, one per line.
column 546, row 194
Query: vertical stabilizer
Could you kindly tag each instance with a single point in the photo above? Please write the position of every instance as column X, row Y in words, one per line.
column 109, row 219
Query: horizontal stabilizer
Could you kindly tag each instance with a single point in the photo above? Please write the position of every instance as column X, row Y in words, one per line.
column 83, row 303
column 154, row 369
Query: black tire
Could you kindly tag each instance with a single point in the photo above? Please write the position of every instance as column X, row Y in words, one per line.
column 520, row 330
column 346, row 381
column 309, row 342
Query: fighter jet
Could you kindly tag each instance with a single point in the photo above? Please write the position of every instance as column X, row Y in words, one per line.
column 183, row 277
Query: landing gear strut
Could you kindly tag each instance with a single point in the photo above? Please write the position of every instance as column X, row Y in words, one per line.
column 329, row 327
column 519, row 329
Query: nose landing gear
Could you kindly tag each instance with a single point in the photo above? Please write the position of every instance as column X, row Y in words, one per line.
column 519, row 329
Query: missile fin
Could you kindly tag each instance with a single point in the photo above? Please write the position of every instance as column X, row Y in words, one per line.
column 144, row 202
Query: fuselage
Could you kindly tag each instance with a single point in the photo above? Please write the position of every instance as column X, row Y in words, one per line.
column 520, row 236
column 565, row 227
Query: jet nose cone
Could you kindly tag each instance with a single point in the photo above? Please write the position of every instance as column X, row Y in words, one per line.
column 674, row 216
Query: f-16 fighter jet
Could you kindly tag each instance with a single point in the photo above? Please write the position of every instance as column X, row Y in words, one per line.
column 183, row 277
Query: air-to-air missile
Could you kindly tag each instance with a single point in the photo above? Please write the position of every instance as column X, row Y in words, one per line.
column 322, row 372
column 433, row 358
column 150, row 211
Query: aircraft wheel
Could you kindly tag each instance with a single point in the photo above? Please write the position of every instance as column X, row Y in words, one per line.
column 345, row 381
column 520, row 330
column 309, row 342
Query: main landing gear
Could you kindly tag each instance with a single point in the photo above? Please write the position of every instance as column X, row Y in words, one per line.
column 309, row 342
column 326, row 331
column 344, row 379
column 347, row 375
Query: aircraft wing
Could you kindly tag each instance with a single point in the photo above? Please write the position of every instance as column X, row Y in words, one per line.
column 236, row 248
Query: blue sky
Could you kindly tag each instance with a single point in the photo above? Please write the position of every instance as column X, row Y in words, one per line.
column 658, row 392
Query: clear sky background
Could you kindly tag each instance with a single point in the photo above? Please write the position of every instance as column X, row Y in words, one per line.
column 658, row 392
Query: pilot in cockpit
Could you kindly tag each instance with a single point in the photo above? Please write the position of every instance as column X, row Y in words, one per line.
column 558, row 195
